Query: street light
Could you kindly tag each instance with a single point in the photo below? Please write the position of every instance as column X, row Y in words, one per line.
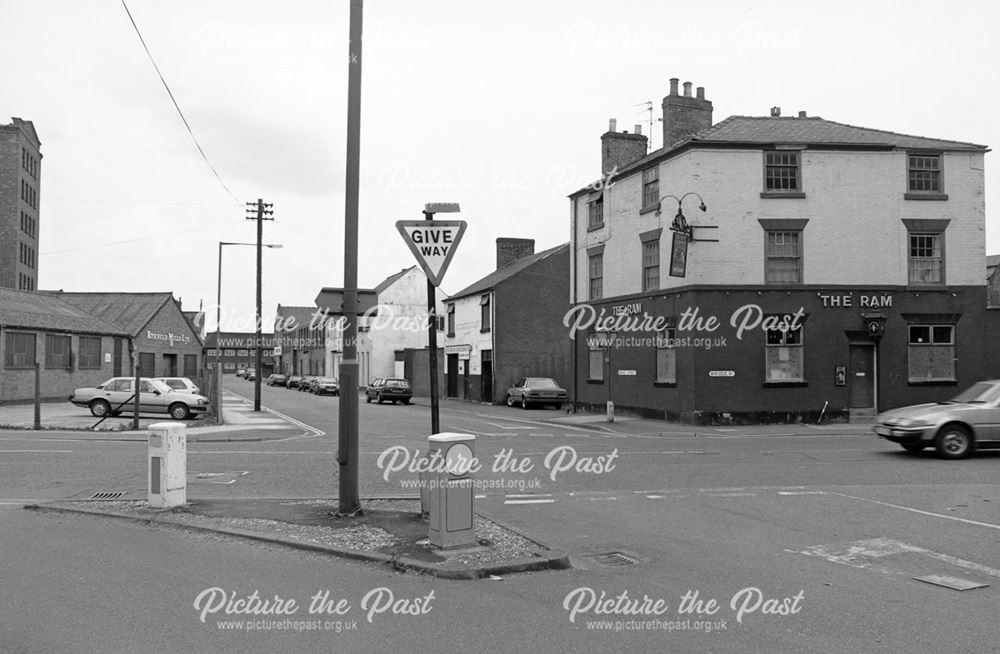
column 430, row 209
column 218, row 321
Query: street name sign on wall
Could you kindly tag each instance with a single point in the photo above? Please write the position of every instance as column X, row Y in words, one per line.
column 433, row 243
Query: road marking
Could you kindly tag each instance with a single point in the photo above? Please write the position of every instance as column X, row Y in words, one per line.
column 534, row 498
column 496, row 424
column 18, row 502
column 732, row 495
column 801, row 492
column 602, row 499
column 539, row 501
column 35, row 451
column 858, row 553
column 988, row 525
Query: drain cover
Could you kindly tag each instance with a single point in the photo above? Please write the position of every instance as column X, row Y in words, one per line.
column 951, row 582
column 613, row 559
column 107, row 495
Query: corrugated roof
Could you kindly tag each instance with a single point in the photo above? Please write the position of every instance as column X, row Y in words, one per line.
column 501, row 274
column 815, row 130
column 128, row 311
column 39, row 310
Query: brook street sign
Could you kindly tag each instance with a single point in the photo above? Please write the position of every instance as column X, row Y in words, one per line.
column 433, row 243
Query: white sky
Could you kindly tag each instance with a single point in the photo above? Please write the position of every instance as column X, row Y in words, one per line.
column 496, row 105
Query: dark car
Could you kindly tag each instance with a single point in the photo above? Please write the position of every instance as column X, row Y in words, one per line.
column 955, row 428
column 304, row 383
column 293, row 381
column 277, row 379
column 537, row 391
column 250, row 374
column 325, row 386
column 394, row 390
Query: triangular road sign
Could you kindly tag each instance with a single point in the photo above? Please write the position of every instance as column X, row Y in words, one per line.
column 433, row 243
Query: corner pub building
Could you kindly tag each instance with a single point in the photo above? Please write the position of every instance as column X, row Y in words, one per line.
column 778, row 268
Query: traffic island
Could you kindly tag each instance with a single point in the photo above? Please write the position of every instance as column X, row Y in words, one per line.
column 388, row 531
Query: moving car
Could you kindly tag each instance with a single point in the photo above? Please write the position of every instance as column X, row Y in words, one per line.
column 537, row 391
column 180, row 384
column 114, row 397
column 395, row 390
column 277, row 379
column 325, row 386
column 954, row 428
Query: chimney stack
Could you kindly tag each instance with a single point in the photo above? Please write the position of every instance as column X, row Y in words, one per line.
column 802, row 114
column 684, row 115
column 510, row 250
column 775, row 112
column 619, row 149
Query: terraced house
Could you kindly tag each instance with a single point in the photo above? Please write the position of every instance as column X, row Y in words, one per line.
column 778, row 267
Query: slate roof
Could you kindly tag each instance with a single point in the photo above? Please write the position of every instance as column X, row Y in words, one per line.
column 392, row 279
column 815, row 130
column 129, row 311
column 39, row 310
column 491, row 281
column 812, row 130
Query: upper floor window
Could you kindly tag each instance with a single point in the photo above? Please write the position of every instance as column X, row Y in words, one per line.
column 783, row 259
column 650, row 187
column 923, row 173
column 651, row 264
column 485, row 314
column 451, row 319
column 782, row 173
column 596, row 275
column 926, row 261
column 595, row 213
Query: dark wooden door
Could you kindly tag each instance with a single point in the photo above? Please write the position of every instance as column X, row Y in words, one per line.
column 861, row 376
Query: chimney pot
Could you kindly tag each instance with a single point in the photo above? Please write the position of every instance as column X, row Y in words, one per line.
column 802, row 114
column 612, row 124
column 775, row 112
column 700, row 92
column 687, row 89
column 673, row 85
column 638, row 129
column 684, row 116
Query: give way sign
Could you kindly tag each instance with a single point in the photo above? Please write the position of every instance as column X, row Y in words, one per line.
column 433, row 243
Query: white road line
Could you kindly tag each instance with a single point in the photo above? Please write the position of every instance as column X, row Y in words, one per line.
column 857, row 553
column 801, row 492
column 988, row 525
column 732, row 495
column 496, row 424
column 720, row 490
column 529, row 495
column 602, row 499
column 35, row 451
column 539, row 501
column 18, row 502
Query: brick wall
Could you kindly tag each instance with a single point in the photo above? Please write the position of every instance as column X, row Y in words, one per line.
column 18, row 385
column 168, row 321
column 619, row 149
column 12, row 206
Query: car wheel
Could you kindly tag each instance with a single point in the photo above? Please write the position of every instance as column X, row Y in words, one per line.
column 406, row 401
column 179, row 411
column 100, row 408
column 510, row 401
column 524, row 403
column 953, row 442
column 913, row 448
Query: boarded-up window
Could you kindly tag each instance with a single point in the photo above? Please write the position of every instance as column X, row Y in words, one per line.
column 931, row 353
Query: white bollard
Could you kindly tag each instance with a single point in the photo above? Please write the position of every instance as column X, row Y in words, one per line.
column 167, row 465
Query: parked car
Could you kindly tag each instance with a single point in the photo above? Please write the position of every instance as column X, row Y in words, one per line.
column 180, row 384
column 277, row 379
column 250, row 374
column 395, row 390
column 537, row 391
column 325, row 386
column 958, row 427
column 241, row 372
column 293, row 381
column 114, row 397
column 305, row 381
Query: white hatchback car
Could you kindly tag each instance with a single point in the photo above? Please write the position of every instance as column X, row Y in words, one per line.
column 180, row 384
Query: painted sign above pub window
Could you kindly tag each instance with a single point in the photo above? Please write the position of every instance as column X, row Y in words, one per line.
column 849, row 300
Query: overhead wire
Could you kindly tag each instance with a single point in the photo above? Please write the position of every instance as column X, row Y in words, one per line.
column 177, row 106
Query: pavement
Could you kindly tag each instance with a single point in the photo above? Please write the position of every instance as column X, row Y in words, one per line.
column 239, row 422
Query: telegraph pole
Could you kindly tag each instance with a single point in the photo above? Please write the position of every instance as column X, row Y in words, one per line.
column 347, row 446
column 259, row 211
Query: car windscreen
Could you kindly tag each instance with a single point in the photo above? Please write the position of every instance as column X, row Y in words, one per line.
column 978, row 393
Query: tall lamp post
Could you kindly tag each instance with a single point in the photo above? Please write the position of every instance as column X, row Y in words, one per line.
column 218, row 321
